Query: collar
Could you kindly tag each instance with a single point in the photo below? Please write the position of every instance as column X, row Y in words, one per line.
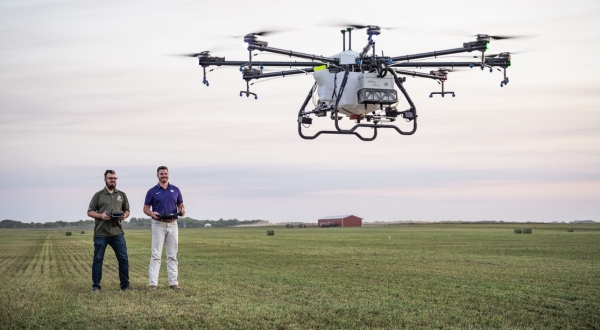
column 106, row 192
column 159, row 187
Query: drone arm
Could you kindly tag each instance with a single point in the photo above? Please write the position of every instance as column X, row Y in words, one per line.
column 435, row 64
column 489, row 62
column 292, row 53
column 365, row 50
column 209, row 62
column 250, row 75
column 440, row 53
column 418, row 74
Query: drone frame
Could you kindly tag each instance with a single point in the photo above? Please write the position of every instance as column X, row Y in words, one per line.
column 365, row 62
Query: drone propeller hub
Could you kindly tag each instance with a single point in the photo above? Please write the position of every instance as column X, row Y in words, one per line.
column 250, row 38
column 504, row 56
column 483, row 37
column 373, row 30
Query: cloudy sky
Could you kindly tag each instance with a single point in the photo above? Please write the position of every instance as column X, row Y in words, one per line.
column 91, row 85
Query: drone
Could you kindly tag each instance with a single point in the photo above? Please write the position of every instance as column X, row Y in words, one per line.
column 360, row 85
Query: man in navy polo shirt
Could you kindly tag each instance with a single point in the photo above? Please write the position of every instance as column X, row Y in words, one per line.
column 164, row 198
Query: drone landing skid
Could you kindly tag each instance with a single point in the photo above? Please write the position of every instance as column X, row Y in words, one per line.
column 248, row 94
column 442, row 94
column 306, row 120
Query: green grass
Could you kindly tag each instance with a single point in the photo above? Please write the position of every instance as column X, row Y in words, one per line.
column 390, row 277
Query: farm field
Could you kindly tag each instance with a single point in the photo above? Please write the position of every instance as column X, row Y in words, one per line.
column 387, row 277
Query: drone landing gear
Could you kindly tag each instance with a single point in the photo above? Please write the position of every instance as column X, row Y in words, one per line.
column 248, row 92
column 442, row 93
column 204, row 81
column 409, row 115
column 505, row 80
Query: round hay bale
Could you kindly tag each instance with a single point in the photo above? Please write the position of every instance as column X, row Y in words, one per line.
column 270, row 232
column 527, row 231
column 570, row 230
column 82, row 232
column 518, row 231
column 68, row 233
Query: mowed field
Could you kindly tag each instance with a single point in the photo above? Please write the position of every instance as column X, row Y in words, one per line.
column 388, row 277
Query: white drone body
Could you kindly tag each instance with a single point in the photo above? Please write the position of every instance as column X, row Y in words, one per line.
column 363, row 92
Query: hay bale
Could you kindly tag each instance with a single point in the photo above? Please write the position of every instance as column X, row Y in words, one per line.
column 270, row 232
column 518, row 231
column 68, row 233
column 82, row 232
column 570, row 230
column 527, row 231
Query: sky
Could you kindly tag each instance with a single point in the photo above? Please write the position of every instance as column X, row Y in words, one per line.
column 87, row 86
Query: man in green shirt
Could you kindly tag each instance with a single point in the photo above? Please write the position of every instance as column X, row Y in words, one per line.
column 109, row 207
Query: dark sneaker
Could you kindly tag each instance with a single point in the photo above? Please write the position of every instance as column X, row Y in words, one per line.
column 95, row 290
column 152, row 288
column 175, row 287
column 128, row 288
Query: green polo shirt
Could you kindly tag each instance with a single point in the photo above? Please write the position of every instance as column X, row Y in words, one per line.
column 103, row 201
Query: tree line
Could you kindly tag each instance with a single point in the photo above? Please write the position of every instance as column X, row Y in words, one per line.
column 133, row 223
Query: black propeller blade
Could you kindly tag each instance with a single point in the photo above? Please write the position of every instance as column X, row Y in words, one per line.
column 454, row 32
column 341, row 23
column 219, row 47
column 206, row 52
column 506, row 37
column 262, row 33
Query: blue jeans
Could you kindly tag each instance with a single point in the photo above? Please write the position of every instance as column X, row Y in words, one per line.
column 120, row 247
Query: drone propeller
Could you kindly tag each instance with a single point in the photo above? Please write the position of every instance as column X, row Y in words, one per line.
column 341, row 23
column 260, row 34
column 263, row 33
column 206, row 53
column 503, row 37
column 444, row 71
column 467, row 34
column 504, row 53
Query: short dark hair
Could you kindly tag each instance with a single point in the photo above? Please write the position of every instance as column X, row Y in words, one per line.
column 161, row 168
column 108, row 172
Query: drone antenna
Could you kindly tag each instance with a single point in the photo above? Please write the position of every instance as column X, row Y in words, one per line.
column 349, row 37
column 343, row 40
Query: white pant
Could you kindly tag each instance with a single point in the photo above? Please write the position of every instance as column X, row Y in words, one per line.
column 163, row 232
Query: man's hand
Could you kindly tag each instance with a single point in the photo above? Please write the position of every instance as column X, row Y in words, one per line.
column 105, row 216
column 155, row 215
column 124, row 216
column 181, row 209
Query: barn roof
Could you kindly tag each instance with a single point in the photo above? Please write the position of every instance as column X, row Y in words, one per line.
column 337, row 217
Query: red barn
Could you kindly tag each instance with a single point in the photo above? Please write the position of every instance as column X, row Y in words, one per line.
column 341, row 221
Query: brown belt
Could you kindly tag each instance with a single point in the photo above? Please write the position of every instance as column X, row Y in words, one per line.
column 167, row 220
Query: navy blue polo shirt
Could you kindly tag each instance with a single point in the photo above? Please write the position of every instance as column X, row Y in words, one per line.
column 163, row 200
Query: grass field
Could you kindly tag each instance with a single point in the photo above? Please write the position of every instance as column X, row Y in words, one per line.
column 389, row 277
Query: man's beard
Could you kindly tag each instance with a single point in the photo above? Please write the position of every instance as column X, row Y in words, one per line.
column 111, row 185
